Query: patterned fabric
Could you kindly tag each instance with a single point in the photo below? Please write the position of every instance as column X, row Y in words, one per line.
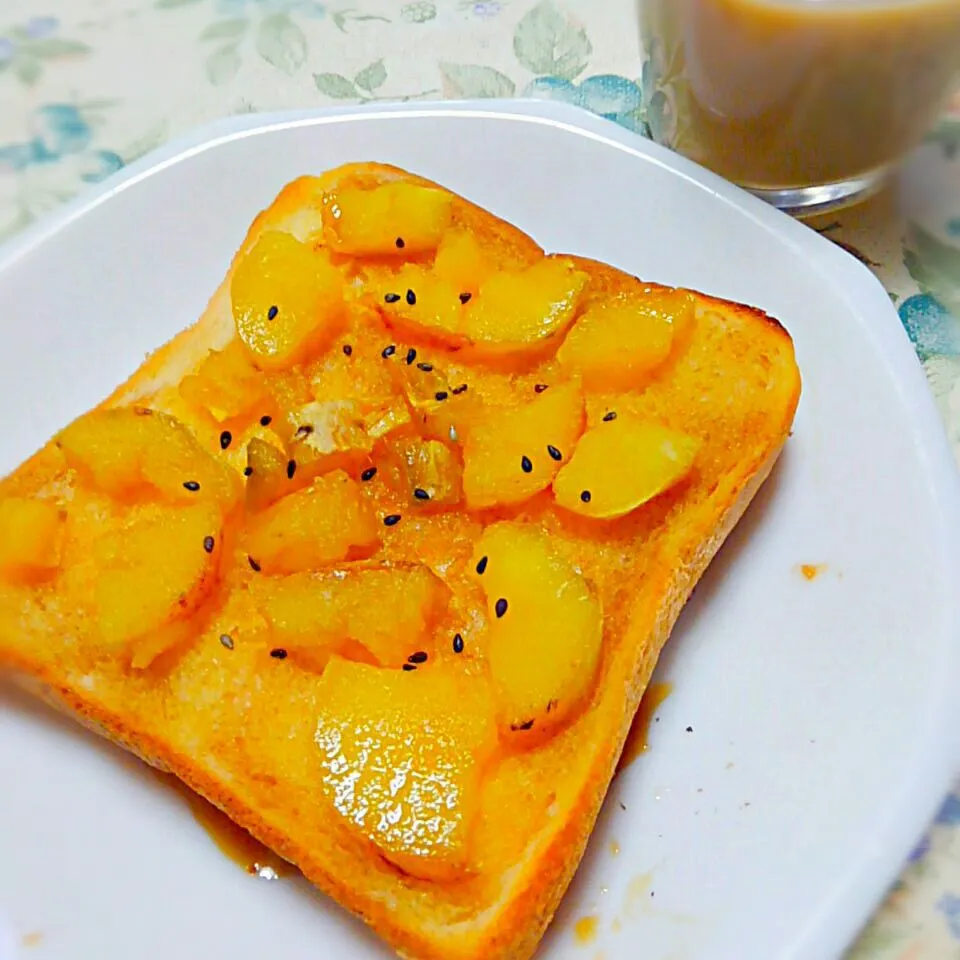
column 86, row 86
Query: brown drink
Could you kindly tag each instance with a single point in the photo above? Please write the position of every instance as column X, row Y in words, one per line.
column 807, row 102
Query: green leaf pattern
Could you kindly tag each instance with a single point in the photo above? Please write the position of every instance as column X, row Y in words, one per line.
column 371, row 77
column 231, row 30
column 28, row 51
column 222, row 65
column 547, row 41
column 282, row 43
column 335, row 86
column 463, row 81
column 935, row 266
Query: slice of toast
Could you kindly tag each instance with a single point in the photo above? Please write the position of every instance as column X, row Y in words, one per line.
column 210, row 694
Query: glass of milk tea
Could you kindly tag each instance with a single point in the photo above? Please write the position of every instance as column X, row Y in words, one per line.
column 809, row 104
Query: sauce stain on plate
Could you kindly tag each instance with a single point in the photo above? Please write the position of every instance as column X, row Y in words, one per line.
column 33, row 939
column 231, row 839
column 585, row 929
column 636, row 742
column 637, row 894
column 810, row 571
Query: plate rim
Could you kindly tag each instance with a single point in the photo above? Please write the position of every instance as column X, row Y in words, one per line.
column 936, row 760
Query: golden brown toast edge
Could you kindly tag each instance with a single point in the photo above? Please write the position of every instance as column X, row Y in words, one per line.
column 512, row 927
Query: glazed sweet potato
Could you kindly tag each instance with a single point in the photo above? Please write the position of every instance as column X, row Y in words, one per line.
column 379, row 555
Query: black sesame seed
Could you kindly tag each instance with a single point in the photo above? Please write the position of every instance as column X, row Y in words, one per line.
column 411, row 297
column 254, row 566
column 425, row 367
column 304, row 430
column 457, row 643
column 272, row 313
column 465, row 297
column 554, row 452
column 501, row 607
column 226, row 439
column 388, row 351
column 419, row 657
column 391, row 519
column 409, row 666
column 411, row 356
column 585, row 496
column 441, row 395
column 551, row 705
column 208, row 544
column 191, row 485
column 347, row 349
column 540, row 387
column 525, row 725
column 689, row 729
column 391, row 297
column 612, row 415
column 526, row 465
column 421, row 494
column 266, row 420
column 226, row 640
column 247, row 471
column 291, row 468
column 278, row 653
column 368, row 474
column 482, row 565
column 399, row 242
column 458, row 390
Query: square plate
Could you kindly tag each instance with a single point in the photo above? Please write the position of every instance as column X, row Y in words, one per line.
column 813, row 724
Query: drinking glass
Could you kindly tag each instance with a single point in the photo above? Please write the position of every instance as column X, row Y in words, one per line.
column 810, row 104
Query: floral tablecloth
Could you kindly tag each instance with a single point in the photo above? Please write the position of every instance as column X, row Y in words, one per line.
column 86, row 86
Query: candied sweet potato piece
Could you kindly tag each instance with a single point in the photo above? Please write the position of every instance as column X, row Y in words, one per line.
column 402, row 754
column 394, row 219
column 620, row 344
column 127, row 452
column 287, row 299
column 512, row 453
column 620, row 465
column 544, row 634
column 328, row 521
column 31, row 535
column 155, row 569
column 514, row 312
column 319, row 612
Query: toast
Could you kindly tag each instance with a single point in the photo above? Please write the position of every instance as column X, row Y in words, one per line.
column 405, row 619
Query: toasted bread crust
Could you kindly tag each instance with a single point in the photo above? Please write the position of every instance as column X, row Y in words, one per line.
column 511, row 925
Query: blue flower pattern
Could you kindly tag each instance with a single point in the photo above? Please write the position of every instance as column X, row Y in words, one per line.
column 607, row 95
column 930, row 326
column 949, row 815
column 60, row 130
column 490, row 9
column 39, row 27
column 56, row 159
column 36, row 28
column 920, row 850
column 949, row 906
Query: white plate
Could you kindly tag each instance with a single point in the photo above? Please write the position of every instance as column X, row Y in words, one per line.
column 825, row 722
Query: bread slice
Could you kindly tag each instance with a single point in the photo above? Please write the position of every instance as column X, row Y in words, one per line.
column 237, row 726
